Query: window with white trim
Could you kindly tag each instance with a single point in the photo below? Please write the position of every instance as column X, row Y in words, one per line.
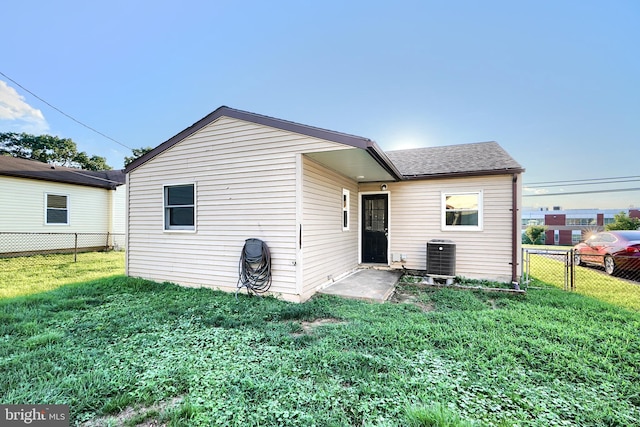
column 345, row 209
column 462, row 211
column 179, row 207
column 57, row 211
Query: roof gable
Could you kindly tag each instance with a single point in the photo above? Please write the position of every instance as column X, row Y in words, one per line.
column 32, row 169
column 481, row 158
column 329, row 135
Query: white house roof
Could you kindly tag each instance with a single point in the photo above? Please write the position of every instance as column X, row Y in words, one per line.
column 32, row 169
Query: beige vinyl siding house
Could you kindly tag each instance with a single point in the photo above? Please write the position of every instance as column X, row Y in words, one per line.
column 37, row 198
column 246, row 180
column 329, row 249
column 315, row 197
column 416, row 218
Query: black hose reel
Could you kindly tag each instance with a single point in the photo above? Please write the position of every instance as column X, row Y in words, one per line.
column 254, row 269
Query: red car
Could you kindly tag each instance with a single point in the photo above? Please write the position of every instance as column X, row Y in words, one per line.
column 614, row 250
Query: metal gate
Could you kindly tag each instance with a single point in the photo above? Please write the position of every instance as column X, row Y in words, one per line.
column 553, row 266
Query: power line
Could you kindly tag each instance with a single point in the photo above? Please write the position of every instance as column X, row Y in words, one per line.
column 581, row 180
column 590, row 183
column 615, row 190
column 63, row 113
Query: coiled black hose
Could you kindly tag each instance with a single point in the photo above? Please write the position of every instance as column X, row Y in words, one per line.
column 254, row 269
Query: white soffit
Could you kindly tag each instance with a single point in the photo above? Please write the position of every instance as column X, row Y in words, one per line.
column 354, row 163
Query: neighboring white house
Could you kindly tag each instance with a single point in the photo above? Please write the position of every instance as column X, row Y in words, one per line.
column 325, row 202
column 40, row 198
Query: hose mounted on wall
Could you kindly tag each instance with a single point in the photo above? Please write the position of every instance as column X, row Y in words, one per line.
column 254, row 269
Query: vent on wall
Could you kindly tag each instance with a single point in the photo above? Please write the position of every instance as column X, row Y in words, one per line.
column 441, row 258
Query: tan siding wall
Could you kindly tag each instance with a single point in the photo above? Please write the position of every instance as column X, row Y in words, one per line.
column 23, row 210
column 415, row 218
column 245, row 177
column 328, row 250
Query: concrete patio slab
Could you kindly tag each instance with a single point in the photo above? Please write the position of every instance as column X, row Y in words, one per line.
column 366, row 284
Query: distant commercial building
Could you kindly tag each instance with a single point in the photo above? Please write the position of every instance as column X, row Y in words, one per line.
column 571, row 226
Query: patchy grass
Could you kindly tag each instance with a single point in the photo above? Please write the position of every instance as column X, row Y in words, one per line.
column 124, row 351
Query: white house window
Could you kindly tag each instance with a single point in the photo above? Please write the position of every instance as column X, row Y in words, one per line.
column 179, row 207
column 345, row 209
column 462, row 211
column 57, row 209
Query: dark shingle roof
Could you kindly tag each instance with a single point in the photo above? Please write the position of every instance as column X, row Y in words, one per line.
column 23, row 168
column 454, row 160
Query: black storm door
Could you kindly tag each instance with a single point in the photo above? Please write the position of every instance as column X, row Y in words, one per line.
column 375, row 226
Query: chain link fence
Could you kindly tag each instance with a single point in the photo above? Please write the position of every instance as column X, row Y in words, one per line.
column 45, row 245
column 600, row 275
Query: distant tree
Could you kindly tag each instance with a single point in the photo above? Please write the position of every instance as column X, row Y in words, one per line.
column 137, row 152
column 93, row 163
column 623, row 222
column 49, row 149
column 535, row 233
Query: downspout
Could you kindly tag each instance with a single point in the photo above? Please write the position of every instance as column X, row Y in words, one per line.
column 126, row 225
column 514, row 229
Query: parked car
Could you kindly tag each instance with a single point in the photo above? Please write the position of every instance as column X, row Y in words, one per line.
column 614, row 250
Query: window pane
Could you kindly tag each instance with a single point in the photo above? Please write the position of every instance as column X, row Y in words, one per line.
column 462, row 201
column 462, row 209
column 56, row 216
column 181, row 216
column 54, row 201
column 180, row 195
column 469, row 218
column 462, row 218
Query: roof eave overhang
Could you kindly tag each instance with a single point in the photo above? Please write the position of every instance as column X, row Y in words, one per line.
column 464, row 174
column 384, row 161
column 60, row 181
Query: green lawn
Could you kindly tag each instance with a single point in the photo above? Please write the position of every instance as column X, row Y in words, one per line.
column 588, row 281
column 40, row 273
column 186, row 356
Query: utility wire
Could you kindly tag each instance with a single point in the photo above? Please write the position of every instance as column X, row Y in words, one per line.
column 95, row 177
column 63, row 113
column 588, row 183
column 581, row 180
column 615, row 190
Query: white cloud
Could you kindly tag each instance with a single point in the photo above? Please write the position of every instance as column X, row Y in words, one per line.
column 535, row 191
column 18, row 116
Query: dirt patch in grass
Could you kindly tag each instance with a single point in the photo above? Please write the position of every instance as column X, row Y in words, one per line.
column 414, row 294
column 402, row 297
column 142, row 416
column 309, row 327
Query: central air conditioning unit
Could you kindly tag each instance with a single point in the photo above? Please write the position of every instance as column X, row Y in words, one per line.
column 441, row 258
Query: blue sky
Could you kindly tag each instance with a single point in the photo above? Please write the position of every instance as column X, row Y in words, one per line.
column 556, row 83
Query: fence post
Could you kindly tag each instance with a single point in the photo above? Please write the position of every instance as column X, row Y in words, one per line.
column 573, row 270
column 106, row 246
column 75, row 248
column 567, row 271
